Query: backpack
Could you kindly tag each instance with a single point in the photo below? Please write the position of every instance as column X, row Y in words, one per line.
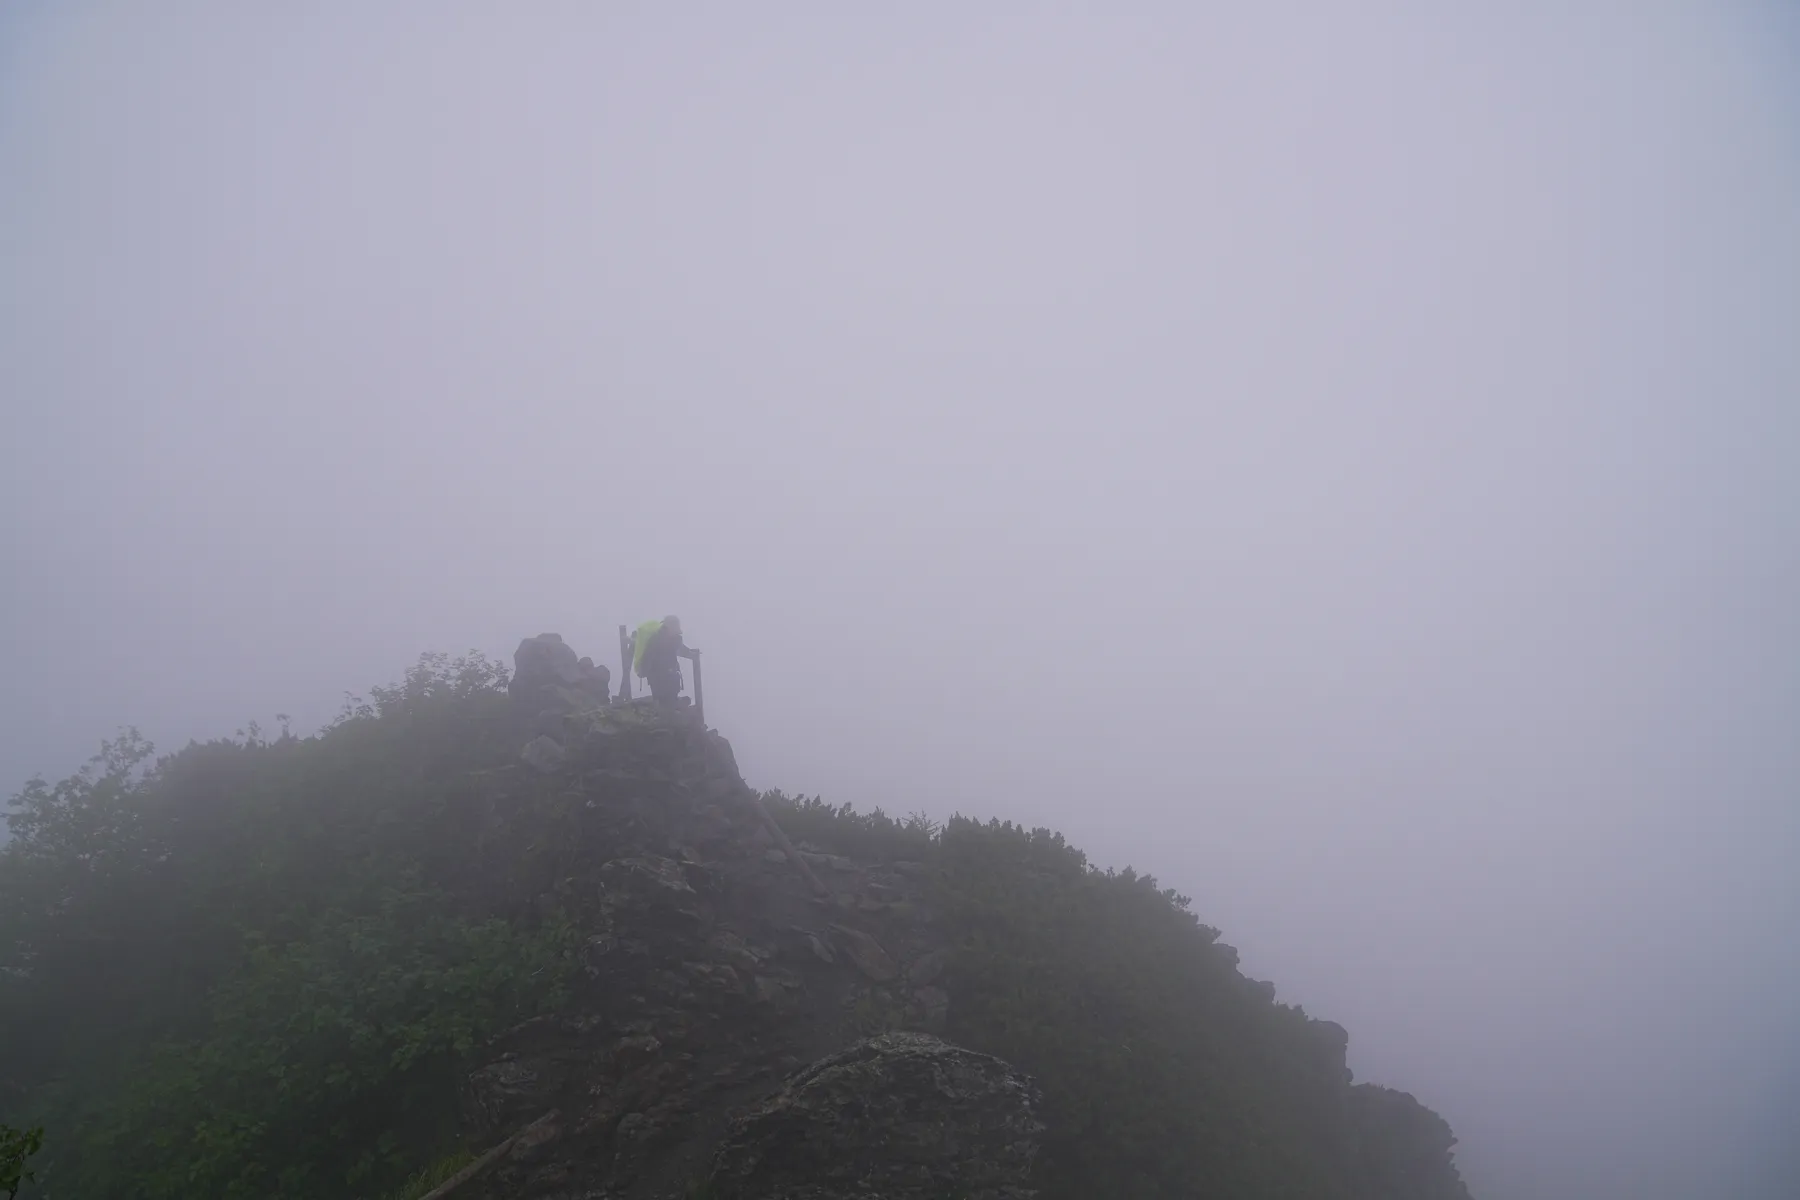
column 640, row 641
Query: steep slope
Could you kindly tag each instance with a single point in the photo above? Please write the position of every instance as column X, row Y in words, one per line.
column 306, row 967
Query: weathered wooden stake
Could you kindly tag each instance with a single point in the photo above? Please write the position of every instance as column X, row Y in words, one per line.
column 485, row 1161
column 699, row 694
column 625, row 658
column 787, row 847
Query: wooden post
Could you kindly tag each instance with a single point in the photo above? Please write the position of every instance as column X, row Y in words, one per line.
column 787, row 847
column 487, row 1160
column 625, row 658
column 699, row 695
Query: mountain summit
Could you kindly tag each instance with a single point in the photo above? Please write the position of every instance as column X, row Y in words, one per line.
column 487, row 942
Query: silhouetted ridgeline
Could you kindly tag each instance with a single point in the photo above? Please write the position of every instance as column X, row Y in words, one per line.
column 351, row 964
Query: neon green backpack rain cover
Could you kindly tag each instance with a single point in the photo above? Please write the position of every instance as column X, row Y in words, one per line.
column 641, row 639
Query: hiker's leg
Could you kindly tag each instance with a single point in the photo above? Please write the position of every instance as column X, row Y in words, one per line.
column 665, row 685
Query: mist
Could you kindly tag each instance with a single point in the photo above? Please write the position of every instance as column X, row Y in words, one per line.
column 1344, row 465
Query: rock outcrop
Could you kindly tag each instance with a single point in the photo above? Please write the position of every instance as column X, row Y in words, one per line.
column 548, row 678
column 711, row 970
column 903, row 1117
column 565, row 925
column 716, row 960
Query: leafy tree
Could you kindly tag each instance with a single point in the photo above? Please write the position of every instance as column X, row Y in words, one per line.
column 253, row 968
column 16, row 1146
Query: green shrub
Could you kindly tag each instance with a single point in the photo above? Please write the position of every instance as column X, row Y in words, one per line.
column 16, row 1148
column 254, row 968
column 1165, row 1072
column 257, row 968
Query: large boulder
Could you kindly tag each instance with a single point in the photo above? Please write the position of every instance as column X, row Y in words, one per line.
column 904, row 1116
column 547, row 676
column 1330, row 1044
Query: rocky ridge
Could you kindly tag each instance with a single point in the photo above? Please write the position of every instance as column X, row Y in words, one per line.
column 712, row 973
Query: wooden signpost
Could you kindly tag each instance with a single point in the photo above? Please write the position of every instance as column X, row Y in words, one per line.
column 699, row 695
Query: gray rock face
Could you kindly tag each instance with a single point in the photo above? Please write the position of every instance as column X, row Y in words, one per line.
column 647, row 890
column 1331, row 1042
column 866, row 953
column 544, row 754
column 560, row 693
column 548, row 675
column 903, row 1116
column 705, row 974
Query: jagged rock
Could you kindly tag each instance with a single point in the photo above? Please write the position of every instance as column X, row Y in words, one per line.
column 735, row 951
column 836, row 862
column 529, row 1067
column 1331, row 1042
column 601, row 946
column 934, row 1007
column 630, row 1137
column 502, row 1090
column 634, row 1051
column 544, row 754
column 647, row 885
column 547, row 674
column 706, row 968
column 907, row 911
column 866, row 953
column 926, row 968
column 819, row 947
column 779, row 989
column 713, row 827
column 901, row 1117
column 715, row 977
column 545, row 658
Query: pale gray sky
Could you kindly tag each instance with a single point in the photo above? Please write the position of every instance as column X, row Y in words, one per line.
column 1346, row 462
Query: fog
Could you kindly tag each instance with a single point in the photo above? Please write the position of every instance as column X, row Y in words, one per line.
column 1346, row 465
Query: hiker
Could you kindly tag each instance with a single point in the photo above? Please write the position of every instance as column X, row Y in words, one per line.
column 656, row 646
